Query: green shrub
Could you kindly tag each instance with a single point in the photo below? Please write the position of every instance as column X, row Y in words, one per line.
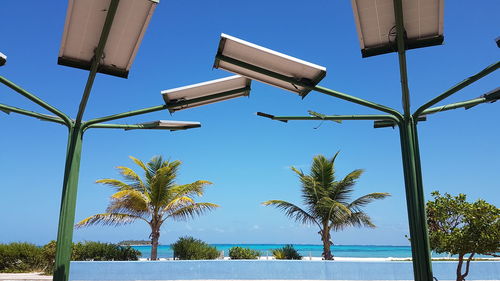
column 287, row 253
column 239, row 253
column 98, row 251
column 26, row 257
column 89, row 250
column 20, row 257
column 189, row 248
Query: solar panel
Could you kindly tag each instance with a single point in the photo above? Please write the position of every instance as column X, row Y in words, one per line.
column 82, row 30
column 376, row 24
column 260, row 57
column 206, row 92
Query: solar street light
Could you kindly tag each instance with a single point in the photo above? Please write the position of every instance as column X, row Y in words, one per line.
column 168, row 125
column 206, row 92
column 497, row 40
column 3, row 59
column 376, row 24
column 267, row 66
column 82, row 30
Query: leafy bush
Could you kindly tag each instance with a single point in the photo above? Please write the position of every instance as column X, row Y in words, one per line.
column 20, row 257
column 90, row 251
column 98, row 251
column 239, row 253
column 189, row 248
column 287, row 253
column 26, row 257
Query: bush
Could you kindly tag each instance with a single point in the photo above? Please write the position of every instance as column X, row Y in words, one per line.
column 239, row 253
column 98, row 251
column 21, row 257
column 26, row 257
column 89, row 250
column 189, row 248
column 286, row 253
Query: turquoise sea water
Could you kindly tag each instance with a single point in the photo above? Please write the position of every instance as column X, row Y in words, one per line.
column 361, row 251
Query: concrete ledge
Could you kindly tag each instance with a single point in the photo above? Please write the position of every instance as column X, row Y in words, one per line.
column 269, row 270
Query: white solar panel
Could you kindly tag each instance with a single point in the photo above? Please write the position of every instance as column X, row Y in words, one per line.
column 238, row 84
column 375, row 23
column 84, row 22
column 171, row 125
column 270, row 60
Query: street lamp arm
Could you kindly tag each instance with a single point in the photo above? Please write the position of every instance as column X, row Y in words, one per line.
column 309, row 86
column 465, row 104
column 331, row 117
column 67, row 121
column 121, row 126
column 359, row 101
column 123, row 115
column 457, row 87
column 45, row 117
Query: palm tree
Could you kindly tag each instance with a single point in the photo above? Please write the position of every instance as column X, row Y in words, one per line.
column 327, row 201
column 153, row 199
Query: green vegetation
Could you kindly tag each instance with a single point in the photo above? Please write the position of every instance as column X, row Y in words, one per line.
column 189, row 248
column 134, row 242
column 460, row 228
column 287, row 253
column 26, row 257
column 327, row 201
column 154, row 199
column 21, row 257
column 240, row 253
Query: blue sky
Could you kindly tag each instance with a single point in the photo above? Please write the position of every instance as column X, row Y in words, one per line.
column 246, row 157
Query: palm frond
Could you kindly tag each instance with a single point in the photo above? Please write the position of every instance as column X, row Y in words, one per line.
column 129, row 201
column 191, row 211
column 292, row 211
column 366, row 199
column 332, row 210
column 130, row 175
column 178, row 203
column 297, row 171
column 115, row 183
column 343, row 189
column 139, row 163
column 356, row 219
column 322, row 116
column 191, row 189
column 113, row 219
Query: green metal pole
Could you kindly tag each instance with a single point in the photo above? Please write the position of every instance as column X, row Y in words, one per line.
column 68, row 205
column 422, row 266
column 72, row 166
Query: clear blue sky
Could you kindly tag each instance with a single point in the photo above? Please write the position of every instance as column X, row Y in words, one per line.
column 246, row 157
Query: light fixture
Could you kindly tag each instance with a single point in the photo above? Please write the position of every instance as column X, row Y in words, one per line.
column 169, row 125
column 376, row 24
column 270, row 116
column 493, row 95
column 3, row 59
column 267, row 66
column 82, row 30
column 206, row 92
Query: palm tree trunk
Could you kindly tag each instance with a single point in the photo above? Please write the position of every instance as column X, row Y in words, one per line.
column 325, row 237
column 155, row 237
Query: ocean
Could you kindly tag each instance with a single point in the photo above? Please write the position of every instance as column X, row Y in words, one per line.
column 355, row 251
